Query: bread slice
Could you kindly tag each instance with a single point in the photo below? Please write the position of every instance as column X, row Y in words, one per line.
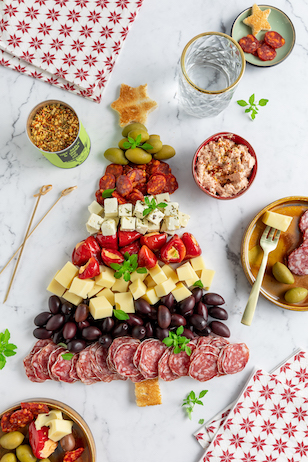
column 147, row 393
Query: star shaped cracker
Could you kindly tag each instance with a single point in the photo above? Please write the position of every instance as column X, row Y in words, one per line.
column 133, row 104
column 258, row 20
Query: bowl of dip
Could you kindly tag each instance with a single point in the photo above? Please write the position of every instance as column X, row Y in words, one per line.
column 224, row 166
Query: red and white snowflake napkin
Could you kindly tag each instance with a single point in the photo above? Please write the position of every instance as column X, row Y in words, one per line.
column 72, row 44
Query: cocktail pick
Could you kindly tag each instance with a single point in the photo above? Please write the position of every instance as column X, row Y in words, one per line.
column 65, row 192
column 43, row 190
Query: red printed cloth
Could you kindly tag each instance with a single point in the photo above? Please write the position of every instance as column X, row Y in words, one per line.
column 71, row 44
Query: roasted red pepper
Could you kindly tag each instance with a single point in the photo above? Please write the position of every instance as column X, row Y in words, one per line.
column 193, row 249
column 108, row 242
column 90, row 269
column 146, row 257
column 71, row 456
column 40, row 444
column 93, row 245
column 127, row 237
column 84, row 250
column 173, row 251
column 154, row 241
column 111, row 256
column 131, row 248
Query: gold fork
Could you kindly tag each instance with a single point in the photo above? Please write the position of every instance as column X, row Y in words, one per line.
column 268, row 243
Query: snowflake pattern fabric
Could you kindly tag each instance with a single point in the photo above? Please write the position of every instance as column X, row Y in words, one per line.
column 71, row 44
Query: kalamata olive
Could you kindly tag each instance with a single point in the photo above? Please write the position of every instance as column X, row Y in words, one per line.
column 142, row 307
column 76, row 345
column 68, row 442
column 67, row 308
column 218, row 313
column 54, row 304
column 197, row 321
column 168, row 300
column 213, row 299
column 201, row 309
column 188, row 333
column 107, row 325
column 91, row 333
column 186, row 307
column 177, row 320
column 163, row 316
column 41, row 319
column 149, row 329
column 138, row 332
column 121, row 329
column 58, row 336
column 83, row 324
column 55, row 322
column 42, row 333
column 134, row 320
column 161, row 333
column 69, row 330
column 205, row 332
column 220, row 328
column 153, row 314
column 81, row 312
column 197, row 293
column 105, row 340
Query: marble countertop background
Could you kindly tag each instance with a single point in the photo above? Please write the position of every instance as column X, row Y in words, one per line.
column 279, row 135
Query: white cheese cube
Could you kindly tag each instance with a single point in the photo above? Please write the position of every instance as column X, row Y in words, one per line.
column 152, row 227
column 184, row 219
column 128, row 223
column 172, row 223
column 120, row 285
column 109, row 227
column 142, row 226
column 95, row 221
column 155, row 217
column 164, row 197
column 139, row 208
column 95, row 207
column 90, row 229
column 107, row 293
column 126, row 210
column 164, row 228
column 172, row 209
column 111, row 207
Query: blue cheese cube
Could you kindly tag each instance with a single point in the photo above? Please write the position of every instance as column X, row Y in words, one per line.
column 139, row 209
column 95, row 207
column 155, row 217
column 128, row 223
column 184, row 219
column 109, row 227
column 172, row 209
column 111, row 207
column 126, row 210
column 95, row 221
column 164, row 197
column 142, row 226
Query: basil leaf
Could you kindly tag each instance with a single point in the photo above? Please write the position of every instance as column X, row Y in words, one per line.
column 142, row 270
column 251, row 99
column 162, row 205
column 180, row 330
column 202, row 393
column 67, row 356
column 242, row 103
column 126, row 145
column 120, row 314
column 6, row 336
column 263, row 102
column 107, row 193
column 126, row 276
column 9, row 353
column 198, row 284
column 201, row 421
column 168, row 341
column 115, row 266
column 11, row 346
column 126, row 256
column 147, row 146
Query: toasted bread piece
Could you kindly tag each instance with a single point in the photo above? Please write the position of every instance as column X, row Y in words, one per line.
column 133, row 105
column 258, row 20
column 147, row 393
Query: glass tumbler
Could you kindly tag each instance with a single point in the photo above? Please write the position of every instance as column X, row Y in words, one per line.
column 212, row 64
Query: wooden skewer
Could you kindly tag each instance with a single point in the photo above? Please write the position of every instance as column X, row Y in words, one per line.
column 43, row 190
column 65, row 192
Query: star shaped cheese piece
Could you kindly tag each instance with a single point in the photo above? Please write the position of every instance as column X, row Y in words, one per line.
column 258, row 20
column 133, row 105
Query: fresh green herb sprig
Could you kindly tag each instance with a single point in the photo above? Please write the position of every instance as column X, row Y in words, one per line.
column 198, row 284
column 127, row 267
column 107, row 193
column 178, row 341
column 152, row 205
column 191, row 400
column 253, row 105
column 67, row 356
column 120, row 315
column 132, row 144
column 6, row 348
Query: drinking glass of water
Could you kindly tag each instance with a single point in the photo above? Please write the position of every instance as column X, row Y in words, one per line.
column 212, row 64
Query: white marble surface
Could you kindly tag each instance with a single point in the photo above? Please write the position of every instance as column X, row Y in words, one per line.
column 151, row 53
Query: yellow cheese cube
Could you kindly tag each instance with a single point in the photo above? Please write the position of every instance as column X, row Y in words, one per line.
column 124, row 301
column 277, row 220
column 164, row 288
column 43, row 420
column 81, row 287
column 56, row 288
column 150, row 296
column 100, row 307
column 73, row 298
column 197, row 263
column 149, row 281
column 137, row 288
column 185, row 271
column 95, row 290
column 180, row 292
column 59, row 428
column 66, row 274
column 170, row 273
column 120, row 285
column 108, row 294
column 140, row 276
column 206, row 278
column 106, row 277
column 198, row 273
column 190, row 282
column 157, row 274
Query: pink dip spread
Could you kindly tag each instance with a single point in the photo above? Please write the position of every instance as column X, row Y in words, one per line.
column 223, row 167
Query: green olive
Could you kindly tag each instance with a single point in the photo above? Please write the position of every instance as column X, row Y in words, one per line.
column 116, row 156
column 296, row 295
column 121, row 142
column 156, row 145
column 282, row 273
column 44, row 460
column 166, row 152
column 135, row 133
column 11, row 440
column 138, row 156
column 133, row 126
column 24, row 453
column 155, row 136
column 8, row 457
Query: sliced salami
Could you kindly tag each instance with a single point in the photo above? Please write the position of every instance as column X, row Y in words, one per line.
column 298, row 259
column 135, row 195
column 123, row 360
column 234, row 358
column 208, row 348
column 156, row 184
column 150, row 355
column 107, row 181
column 115, row 169
column 274, row 39
column 73, row 371
column 164, row 371
column 219, row 342
column 303, row 222
column 28, row 360
column 249, row 44
column 115, row 344
column 266, row 53
column 203, row 367
column 137, row 355
column 124, row 185
column 84, row 368
column 61, row 369
column 37, row 366
column 179, row 363
column 171, row 184
column 101, row 369
column 52, row 359
column 43, row 358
